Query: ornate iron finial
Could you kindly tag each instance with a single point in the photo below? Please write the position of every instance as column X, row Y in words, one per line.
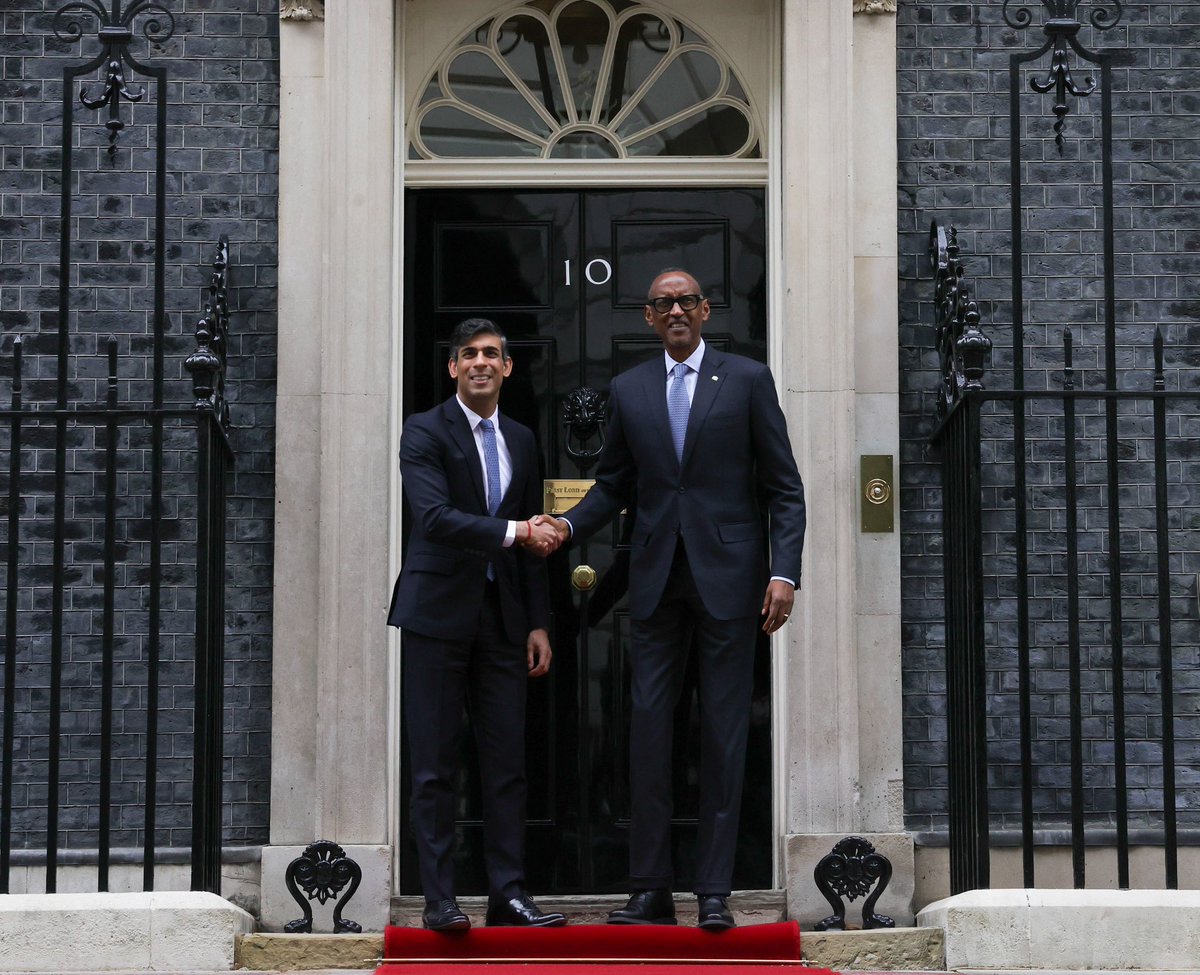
column 207, row 363
column 584, row 416
column 116, row 31
column 1061, row 26
column 850, row 871
column 962, row 345
column 323, row 869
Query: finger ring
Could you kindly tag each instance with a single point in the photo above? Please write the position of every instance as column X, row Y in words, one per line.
column 785, row 615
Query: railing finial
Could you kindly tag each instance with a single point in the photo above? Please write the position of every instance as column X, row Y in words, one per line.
column 962, row 345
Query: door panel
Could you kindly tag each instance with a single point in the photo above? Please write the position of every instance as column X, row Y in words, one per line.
column 565, row 275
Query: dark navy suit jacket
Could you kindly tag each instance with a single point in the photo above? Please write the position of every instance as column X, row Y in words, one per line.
column 441, row 585
column 736, row 491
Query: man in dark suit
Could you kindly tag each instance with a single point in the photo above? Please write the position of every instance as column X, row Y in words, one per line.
column 697, row 440
column 473, row 603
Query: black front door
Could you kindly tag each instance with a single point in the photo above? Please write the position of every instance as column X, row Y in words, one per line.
column 565, row 275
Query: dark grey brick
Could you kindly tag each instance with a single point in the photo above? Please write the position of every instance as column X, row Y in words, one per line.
column 223, row 98
column 953, row 150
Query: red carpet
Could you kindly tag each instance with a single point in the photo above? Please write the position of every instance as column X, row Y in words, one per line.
column 512, row 967
column 590, row 949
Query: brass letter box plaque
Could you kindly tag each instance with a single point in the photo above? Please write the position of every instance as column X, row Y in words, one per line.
column 562, row 494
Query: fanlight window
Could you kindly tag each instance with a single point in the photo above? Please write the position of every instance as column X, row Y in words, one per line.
column 583, row 79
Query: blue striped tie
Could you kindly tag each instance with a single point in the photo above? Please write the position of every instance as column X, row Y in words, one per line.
column 678, row 407
column 492, row 456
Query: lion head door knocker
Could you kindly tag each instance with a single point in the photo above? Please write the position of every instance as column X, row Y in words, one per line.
column 323, row 869
column 850, row 871
column 584, row 415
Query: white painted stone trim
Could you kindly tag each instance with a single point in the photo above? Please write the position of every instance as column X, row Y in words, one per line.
column 874, row 6
column 164, row 931
column 1069, row 929
column 302, row 10
column 664, row 171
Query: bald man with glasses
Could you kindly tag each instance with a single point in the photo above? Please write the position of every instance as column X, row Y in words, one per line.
column 695, row 439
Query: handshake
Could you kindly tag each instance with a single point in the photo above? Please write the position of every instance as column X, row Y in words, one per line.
column 542, row 534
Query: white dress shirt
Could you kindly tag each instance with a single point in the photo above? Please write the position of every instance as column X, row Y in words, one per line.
column 474, row 419
column 691, row 376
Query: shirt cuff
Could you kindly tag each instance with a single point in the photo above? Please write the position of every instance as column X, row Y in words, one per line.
column 790, row 582
column 570, row 527
column 511, row 535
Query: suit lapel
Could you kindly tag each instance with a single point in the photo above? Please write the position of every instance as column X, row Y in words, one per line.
column 460, row 433
column 709, row 381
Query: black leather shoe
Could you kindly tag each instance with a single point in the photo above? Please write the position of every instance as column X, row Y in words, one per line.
column 646, row 907
column 712, row 913
column 444, row 916
column 521, row 912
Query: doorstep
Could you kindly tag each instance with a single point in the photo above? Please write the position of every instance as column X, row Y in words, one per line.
column 748, row 907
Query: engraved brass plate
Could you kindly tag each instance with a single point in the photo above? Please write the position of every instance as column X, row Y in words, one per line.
column 876, row 500
column 563, row 493
column 583, row 577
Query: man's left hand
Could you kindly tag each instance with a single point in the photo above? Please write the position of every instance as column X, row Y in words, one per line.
column 777, row 604
column 538, row 651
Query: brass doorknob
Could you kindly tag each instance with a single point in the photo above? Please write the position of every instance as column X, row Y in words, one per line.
column 583, row 577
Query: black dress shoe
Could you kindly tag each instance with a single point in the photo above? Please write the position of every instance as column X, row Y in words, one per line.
column 444, row 915
column 712, row 913
column 521, row 912
column 646, row 907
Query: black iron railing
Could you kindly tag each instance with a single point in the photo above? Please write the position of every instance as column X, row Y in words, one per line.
column 1060, row 511
column 1007, row 604
column 135, row 499
column 120, row 433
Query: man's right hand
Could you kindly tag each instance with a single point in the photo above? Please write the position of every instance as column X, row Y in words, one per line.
column 543, row 537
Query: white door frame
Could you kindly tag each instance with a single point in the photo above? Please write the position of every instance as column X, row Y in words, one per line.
column 583, row 174
column 831, row 179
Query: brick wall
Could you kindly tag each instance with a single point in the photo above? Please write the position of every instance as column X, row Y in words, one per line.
column 222, row 64
column 954, row 166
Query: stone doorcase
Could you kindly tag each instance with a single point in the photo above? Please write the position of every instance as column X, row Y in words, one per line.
column 334, row 760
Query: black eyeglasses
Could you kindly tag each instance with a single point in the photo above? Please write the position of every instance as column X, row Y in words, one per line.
column 665, row 304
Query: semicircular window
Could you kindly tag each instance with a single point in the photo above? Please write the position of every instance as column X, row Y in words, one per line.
column 583, row 79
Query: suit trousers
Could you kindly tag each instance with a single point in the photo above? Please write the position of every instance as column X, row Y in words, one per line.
column 490, row 675
column 660, row 647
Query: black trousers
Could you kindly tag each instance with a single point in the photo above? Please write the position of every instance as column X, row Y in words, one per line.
column 659, row 651
column 490, row 675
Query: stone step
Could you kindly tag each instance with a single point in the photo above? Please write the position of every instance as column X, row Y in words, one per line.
column 882, row 950
column 895, row 950
column 265, row 952
column 748, row 907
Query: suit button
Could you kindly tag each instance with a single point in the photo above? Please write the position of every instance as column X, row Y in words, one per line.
column 682, row 489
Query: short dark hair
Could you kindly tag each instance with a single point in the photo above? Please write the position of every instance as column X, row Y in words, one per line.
column 466, row 330
column 674, row 270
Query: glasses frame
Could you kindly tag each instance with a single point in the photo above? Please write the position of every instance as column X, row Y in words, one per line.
column 694, row 302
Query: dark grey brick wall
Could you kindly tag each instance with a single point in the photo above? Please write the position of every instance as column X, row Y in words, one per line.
column 954, row 166
column 222, row 63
